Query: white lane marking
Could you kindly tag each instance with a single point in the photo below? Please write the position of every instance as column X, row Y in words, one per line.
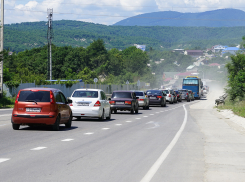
column 105, row 128
column 67, row 140
column 39, row 148
column 161, row 111
column 3, row 124
column 151, row 114
column 157, row 112
column 4, row 159
column 149, row 175
column 118, row 124
column 6, row 115
column 137, row 118
column 145, row 116
column 89, row 133
column 128, row 121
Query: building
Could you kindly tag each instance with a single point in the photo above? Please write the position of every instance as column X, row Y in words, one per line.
column 179, row 50
column 142, row 47
column 231, row 50
column 191, row 68
column 218, row 48
column 194, row 53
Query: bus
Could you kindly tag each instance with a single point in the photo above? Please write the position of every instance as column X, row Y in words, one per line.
column 193, row 83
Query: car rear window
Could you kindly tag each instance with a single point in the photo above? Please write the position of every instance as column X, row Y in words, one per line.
column 139, row 93
column 85, row 94
column 166, row 91
column 38, row 96
column 153, row 92
column 121, row 95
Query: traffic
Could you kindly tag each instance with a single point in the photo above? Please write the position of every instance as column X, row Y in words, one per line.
column 48, row 106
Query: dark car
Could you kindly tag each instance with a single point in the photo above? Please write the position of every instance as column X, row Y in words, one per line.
column 175, row 97
column 124, row 101
column 178, row 93
column 41, row 106
column 156, row 97
column 185, row 95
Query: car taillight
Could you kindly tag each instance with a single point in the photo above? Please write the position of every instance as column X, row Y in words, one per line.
column 17, row 97
column 169, row 95
column 159, row 97
column 97, row 104
column 178, row 95
column 186, row 93
column 112, row 102
column 51, row 97
column 127, row 102
column 70, row 104
column 140, row 99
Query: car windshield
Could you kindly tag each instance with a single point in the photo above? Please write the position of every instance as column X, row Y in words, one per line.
column 139, row 93
column 34, row 96
column 85, row 94
column 183, row 91
column 153, row 92
column 121, row 95
column 166, row 91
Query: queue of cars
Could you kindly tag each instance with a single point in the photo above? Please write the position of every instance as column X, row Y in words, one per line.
column 48, row 106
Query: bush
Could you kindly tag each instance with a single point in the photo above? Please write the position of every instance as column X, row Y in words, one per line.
column 6, row 101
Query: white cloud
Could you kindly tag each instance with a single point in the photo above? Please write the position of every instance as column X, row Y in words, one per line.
column 105, row 11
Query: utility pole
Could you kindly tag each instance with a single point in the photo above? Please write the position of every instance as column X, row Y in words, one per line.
column 49, row 38
column 1, row 48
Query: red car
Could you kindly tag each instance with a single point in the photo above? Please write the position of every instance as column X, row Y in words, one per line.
column 41, row 106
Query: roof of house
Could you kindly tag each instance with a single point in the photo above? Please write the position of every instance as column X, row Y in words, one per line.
column 214, row 64
column 190, row 67
column 231, row 49
column 194, row 51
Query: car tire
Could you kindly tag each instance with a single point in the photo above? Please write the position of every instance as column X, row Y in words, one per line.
column 148, row 106
column 102, row 116
column 56, row 126
column 188, row 100
column 137, row 111
column 162, row 104
column 165, row 104
column 16, row 126
column 144, row 107
column 109, row 117
column 68, row 124
column 132, row 111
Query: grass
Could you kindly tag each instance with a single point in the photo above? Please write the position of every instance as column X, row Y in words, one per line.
column 6, row 102
column 238, row 107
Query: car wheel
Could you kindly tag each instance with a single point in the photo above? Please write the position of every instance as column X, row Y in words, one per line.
column 109, row 117
column 132, row 111
column 188, row 100
column 144, row 107
column 162, row 104
column 68, row 124
column 165, row 104
column 102, row 116
column 137, row 111
column 148, row 106
column 56, row 125
column 16, row 126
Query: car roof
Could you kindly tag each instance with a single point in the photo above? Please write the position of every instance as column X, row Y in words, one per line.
column 41, row 88
column 88, row 89
column 123, row 91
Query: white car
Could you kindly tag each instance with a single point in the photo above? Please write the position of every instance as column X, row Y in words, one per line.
column 169, row 95
column 90, row 103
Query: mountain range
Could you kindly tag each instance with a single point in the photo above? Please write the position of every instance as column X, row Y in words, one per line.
column 215, row 18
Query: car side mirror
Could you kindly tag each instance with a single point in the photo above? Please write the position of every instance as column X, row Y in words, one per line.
column 69, row 101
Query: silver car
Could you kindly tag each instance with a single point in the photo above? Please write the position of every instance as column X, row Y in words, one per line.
column 169, row 95
column 143, row 100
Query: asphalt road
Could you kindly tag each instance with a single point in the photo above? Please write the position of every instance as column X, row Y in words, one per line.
column 159, row 144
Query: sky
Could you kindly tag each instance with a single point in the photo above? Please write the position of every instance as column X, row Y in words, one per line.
column 105, row 12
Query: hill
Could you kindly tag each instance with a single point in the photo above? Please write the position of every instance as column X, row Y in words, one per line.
column 215, row 18
column 22, row 36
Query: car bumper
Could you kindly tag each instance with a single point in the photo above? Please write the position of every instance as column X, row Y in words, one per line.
column 25, row 119
column 141, row 103
column 123, row 107
column 86, row 112
column 155, row 102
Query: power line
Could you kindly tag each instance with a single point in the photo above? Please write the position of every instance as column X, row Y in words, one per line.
column 119, row 16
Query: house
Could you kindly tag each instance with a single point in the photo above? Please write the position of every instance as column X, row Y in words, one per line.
column 218, row 48
column 231, row 50
column 214, row 64
column 179, row 50
column 194, row 53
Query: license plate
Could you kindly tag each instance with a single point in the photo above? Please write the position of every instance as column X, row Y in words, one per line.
column 120, row 102
column 83, row 104
column 33, row 109
column 152, row 97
